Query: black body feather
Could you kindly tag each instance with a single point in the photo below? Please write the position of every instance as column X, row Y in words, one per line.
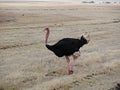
column 67, row 46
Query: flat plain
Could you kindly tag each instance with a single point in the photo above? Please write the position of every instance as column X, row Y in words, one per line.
column 25, row 62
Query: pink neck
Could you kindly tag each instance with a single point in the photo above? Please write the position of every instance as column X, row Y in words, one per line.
column 47, row 35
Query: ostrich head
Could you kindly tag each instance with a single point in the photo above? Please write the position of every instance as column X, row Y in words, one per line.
column 46, row 29
column 86, row 36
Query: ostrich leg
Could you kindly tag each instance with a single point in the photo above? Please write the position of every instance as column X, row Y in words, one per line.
column 68, row 65
column 73, row 63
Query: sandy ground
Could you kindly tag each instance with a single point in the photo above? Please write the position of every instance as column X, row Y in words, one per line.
column 26, row 64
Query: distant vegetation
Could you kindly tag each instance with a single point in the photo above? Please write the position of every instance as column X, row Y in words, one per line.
column 107, row 2
column 102, row 2
column 88, row 2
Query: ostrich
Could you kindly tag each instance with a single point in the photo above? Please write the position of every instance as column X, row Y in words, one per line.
column 67, row 47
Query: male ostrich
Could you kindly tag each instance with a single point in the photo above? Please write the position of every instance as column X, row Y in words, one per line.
column 67, row 47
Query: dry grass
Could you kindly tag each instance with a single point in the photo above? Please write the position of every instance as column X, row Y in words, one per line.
column 26, row 64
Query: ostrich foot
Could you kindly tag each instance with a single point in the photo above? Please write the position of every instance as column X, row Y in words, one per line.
column 70, row 72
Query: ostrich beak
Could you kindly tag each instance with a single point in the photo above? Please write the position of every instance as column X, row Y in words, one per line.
column 86, row 36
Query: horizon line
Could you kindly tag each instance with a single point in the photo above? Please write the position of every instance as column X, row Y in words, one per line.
column 53, row 1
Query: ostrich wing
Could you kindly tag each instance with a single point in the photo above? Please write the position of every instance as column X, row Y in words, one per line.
column 66, row 46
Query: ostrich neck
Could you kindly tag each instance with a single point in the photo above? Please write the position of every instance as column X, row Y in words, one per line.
column 47, row 35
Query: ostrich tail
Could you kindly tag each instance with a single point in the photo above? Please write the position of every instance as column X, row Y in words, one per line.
column 86, row 36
